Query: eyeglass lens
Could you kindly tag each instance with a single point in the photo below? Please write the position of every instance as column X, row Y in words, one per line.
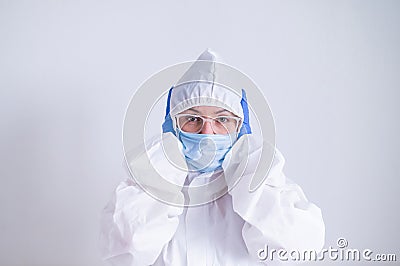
column 220, row 125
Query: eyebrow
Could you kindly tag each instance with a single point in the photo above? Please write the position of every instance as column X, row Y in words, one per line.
column 194, row 110
column 222, row 111
column 217, row 112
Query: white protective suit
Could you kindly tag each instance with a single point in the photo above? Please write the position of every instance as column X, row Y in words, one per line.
column 137, row 229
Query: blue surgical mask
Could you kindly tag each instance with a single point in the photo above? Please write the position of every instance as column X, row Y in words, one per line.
column 205, row 152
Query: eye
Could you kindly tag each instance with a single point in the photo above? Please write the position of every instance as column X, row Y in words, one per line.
column 191, row 118
column 222, row 119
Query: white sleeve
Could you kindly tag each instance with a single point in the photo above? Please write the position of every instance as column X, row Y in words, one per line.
column 278, row 215
column 135, row 227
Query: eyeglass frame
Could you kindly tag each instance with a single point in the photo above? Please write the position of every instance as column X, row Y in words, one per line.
column 207, row 118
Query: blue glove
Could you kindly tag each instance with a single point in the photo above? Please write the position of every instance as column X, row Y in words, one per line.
column 245, row 129
column 167, row 126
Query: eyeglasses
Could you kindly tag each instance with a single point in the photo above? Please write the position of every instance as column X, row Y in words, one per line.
column 220, row 125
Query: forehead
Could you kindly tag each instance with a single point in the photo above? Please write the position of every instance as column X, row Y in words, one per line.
column 207, row 110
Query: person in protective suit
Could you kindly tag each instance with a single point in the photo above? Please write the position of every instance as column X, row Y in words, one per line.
column 210, row 123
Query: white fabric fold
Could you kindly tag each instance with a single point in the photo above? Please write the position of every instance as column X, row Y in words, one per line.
column 139, row 230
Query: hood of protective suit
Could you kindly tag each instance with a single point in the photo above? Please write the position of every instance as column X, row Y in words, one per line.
column 197, row 87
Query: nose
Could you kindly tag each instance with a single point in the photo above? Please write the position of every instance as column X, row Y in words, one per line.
column 207, row 129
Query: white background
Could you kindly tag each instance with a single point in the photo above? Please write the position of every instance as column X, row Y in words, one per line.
column 329, row 69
